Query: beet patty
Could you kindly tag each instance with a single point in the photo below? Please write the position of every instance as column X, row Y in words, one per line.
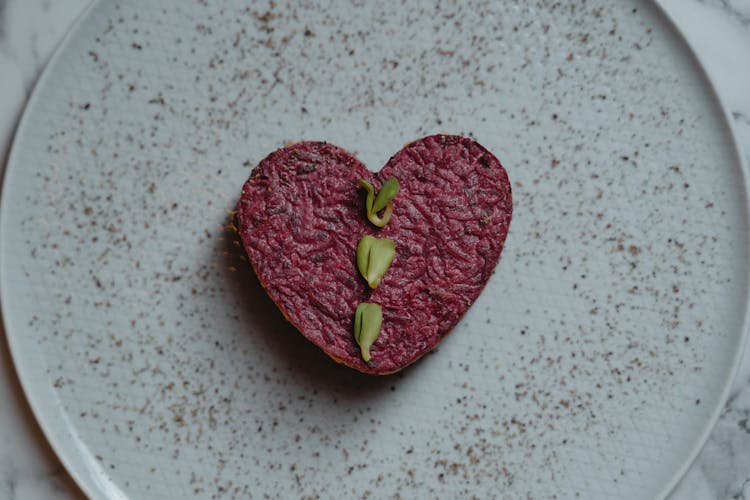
column 301, row 215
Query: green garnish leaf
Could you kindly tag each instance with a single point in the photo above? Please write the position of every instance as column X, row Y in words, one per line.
column 374, row 257
column 370, row 195
column 383, row 200
column 358, row 321
column 387, row 192
column 368, row 319
column 381, row 221
column 363, row 254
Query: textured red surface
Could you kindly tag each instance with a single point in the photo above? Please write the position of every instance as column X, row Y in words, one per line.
column 301, row 215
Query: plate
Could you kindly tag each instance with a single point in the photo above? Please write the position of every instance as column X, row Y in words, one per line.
column 592, row 366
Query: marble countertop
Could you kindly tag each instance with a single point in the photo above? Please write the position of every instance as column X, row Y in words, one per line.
column 31, row 29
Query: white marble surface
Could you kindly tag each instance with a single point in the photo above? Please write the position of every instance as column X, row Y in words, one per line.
column 30, row 30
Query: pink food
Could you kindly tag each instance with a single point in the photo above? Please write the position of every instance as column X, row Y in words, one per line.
column 301, row 215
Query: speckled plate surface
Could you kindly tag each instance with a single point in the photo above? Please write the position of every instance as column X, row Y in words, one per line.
column 593, row 364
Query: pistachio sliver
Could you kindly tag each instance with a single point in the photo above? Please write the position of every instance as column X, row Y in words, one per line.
column 374, row 257
column 367, row 322
column 387, row 192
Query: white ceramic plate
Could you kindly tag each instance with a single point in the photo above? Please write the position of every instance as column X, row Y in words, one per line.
column 593, row 364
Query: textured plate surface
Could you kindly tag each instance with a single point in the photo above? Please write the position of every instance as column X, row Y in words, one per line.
column 590, row 367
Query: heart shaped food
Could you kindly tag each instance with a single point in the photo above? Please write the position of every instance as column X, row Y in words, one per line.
column 302, row 215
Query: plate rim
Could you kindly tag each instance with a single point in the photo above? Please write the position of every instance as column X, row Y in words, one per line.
column 101, row 485
column 708, row 428
column 92, row 487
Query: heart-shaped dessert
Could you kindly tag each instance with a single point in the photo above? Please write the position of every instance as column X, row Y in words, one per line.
column 301, row 216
